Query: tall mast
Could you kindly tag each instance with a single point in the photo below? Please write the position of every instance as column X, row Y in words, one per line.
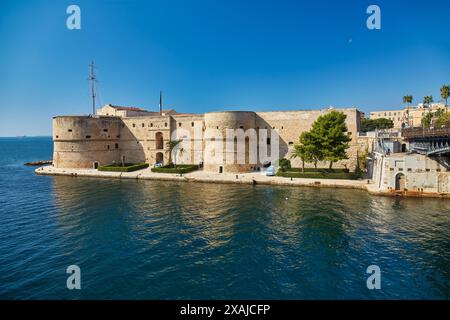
column 92, row 79
column 160, row 103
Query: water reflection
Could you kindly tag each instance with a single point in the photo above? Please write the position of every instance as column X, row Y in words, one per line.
column 193, row 240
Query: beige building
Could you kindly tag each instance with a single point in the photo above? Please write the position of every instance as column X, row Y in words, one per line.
column 133, row 135
column 410, row 116
column 410, row 174
column 110, row 110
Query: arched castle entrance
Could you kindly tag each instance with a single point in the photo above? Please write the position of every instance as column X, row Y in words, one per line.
column 400, row 182
column 159, row 157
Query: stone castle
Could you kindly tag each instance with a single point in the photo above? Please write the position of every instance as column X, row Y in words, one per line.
column 133, row 135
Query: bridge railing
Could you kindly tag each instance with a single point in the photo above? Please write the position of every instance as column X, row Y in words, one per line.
column 419, row 132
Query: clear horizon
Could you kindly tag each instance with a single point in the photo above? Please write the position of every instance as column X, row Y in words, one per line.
column 205, row 56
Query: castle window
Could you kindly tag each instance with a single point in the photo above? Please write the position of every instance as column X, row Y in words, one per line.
column 57, row 137
column 159, row 141
column 427, row 170
column 409, row 169
column 107, row 146
column 165, row 124
column 143, row 125
column 151, row 124
column 268, row 140
column 438, row 170
column 116, row 146
column 241, row 127
column 88, row 137
column 118, row 136
column 69, row 130
column 192, row 124
column 179, row 124
column 282, row 127
column 134, row 125
column 105, row 130
column 217, row 127
column 291, row 143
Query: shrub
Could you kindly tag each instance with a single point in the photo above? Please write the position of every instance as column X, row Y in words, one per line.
column 180, row 168
column 128, row 167
column 319, row 175
column 322, row 170
column 284, row 164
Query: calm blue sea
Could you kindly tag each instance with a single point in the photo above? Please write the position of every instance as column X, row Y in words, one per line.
column 168, row 240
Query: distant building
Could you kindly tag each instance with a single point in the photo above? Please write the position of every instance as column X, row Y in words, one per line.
column 410, row 116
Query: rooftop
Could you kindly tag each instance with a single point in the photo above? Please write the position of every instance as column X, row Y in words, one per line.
column 127, row 108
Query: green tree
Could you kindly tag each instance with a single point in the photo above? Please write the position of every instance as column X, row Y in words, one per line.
column 372, row 124
column 174, row 146
column 443, row 120
column 445, row 93
column 428, row 100
column 408, row 99
column 284, row 164
column 426, row 119
column 308, row 149
column 331, row 132
column 383, row 123
column 300, row 152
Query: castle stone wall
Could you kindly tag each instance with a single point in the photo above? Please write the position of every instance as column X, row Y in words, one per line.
column 82, row 141
column 220, row 122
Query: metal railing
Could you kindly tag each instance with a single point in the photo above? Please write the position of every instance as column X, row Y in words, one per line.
column 419, row 132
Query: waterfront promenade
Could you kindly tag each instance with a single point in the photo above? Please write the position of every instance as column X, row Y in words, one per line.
column 209, row 177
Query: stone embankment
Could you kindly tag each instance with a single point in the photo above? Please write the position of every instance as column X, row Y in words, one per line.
column 252, row 178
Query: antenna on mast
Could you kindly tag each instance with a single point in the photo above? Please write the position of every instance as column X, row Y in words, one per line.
column 92, row 79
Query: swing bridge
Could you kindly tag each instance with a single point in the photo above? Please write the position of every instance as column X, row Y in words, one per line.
column 429, row 142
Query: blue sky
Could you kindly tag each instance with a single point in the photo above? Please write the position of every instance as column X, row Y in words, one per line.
column 217, row 55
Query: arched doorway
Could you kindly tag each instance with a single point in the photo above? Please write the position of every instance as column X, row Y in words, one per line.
column 160, row 158
column 403, row 147
column 159, row 142
column 400, row 182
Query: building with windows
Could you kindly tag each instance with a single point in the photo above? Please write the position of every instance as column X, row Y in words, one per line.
column 410, row 116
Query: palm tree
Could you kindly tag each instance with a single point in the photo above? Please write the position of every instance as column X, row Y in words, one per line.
column 427, row 101
column 300, row 152
column 174, row 146
column 408, row 99
column 445, row 93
